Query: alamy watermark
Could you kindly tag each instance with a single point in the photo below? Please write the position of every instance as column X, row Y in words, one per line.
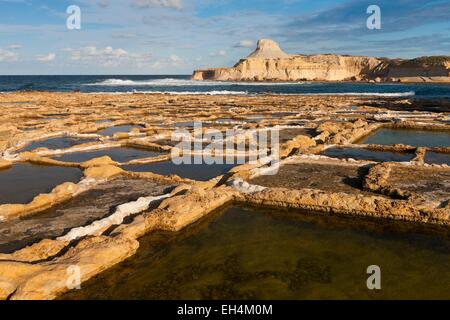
column 73, row 21
column 73, row 280
column 374, row 20
column 374, row 280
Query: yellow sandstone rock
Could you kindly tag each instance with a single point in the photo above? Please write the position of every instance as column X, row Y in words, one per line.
column 103, row 172
column 12, row 274
column 29, row 156
column 300, row 143
column 121, row 135
column 65, row 189
column 91, row 255
column 98, row 162
column 37, row 252
column 177, row 212
column 40, row 202
column 4, row 164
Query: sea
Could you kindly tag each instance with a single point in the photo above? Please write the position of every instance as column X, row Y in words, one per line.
column 182, row 84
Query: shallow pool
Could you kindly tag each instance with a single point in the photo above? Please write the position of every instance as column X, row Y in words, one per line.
column 117, row 154
column 112, row 130
column 199, row 172
column 81, row 210
column 419, row 138
column 365, row 154
column 56, row 143
column 246, row 253
column 437, row 158
column 22, row 182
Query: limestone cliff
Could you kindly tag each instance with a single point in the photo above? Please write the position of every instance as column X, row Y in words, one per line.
column 424, row 68
column 269, row 63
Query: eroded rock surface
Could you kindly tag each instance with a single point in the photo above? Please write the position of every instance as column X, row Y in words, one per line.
column 115, row 205
column 429, row 183
column 85, row 208
column 329, row 177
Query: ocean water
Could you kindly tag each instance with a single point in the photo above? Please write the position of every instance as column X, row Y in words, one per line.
column 182, row 84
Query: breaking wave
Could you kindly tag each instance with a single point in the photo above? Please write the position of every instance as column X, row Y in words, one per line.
column 379, row 94
column 376, row 94
column 186, row 86
column 170, row 82
column 230, row 92
column 208, row 93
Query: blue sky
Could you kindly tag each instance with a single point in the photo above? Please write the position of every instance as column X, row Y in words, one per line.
column 178, row 36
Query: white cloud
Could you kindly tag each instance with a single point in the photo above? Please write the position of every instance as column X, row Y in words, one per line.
column 8, row 56
column 89, row 51
column 173, row 4
column 109, row 57
column 118, row 53
column 163, row 63
column 14, row 47
column 245, row 44
column 174, row 58
column 85, row 53
column 46, row 58
column 219, row 53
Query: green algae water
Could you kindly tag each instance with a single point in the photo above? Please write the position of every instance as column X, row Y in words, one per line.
column 416, row 138
column 249, row 253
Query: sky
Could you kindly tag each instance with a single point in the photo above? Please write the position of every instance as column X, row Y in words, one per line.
column 179, row 36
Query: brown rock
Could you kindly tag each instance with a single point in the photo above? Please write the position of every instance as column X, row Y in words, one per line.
column 300, row 143
column 91, row 256
column 36, row 252
column 177, row 212
column 12, row 273
column 103, row 172
column 4, row 164
column 98, row 162
column 121, row 135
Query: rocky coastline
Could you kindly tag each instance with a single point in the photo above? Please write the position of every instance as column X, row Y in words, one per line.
column 94, row 238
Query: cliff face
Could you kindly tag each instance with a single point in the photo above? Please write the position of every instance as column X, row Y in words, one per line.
column 295, row 68
column 420, row 67
column 269, row 63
